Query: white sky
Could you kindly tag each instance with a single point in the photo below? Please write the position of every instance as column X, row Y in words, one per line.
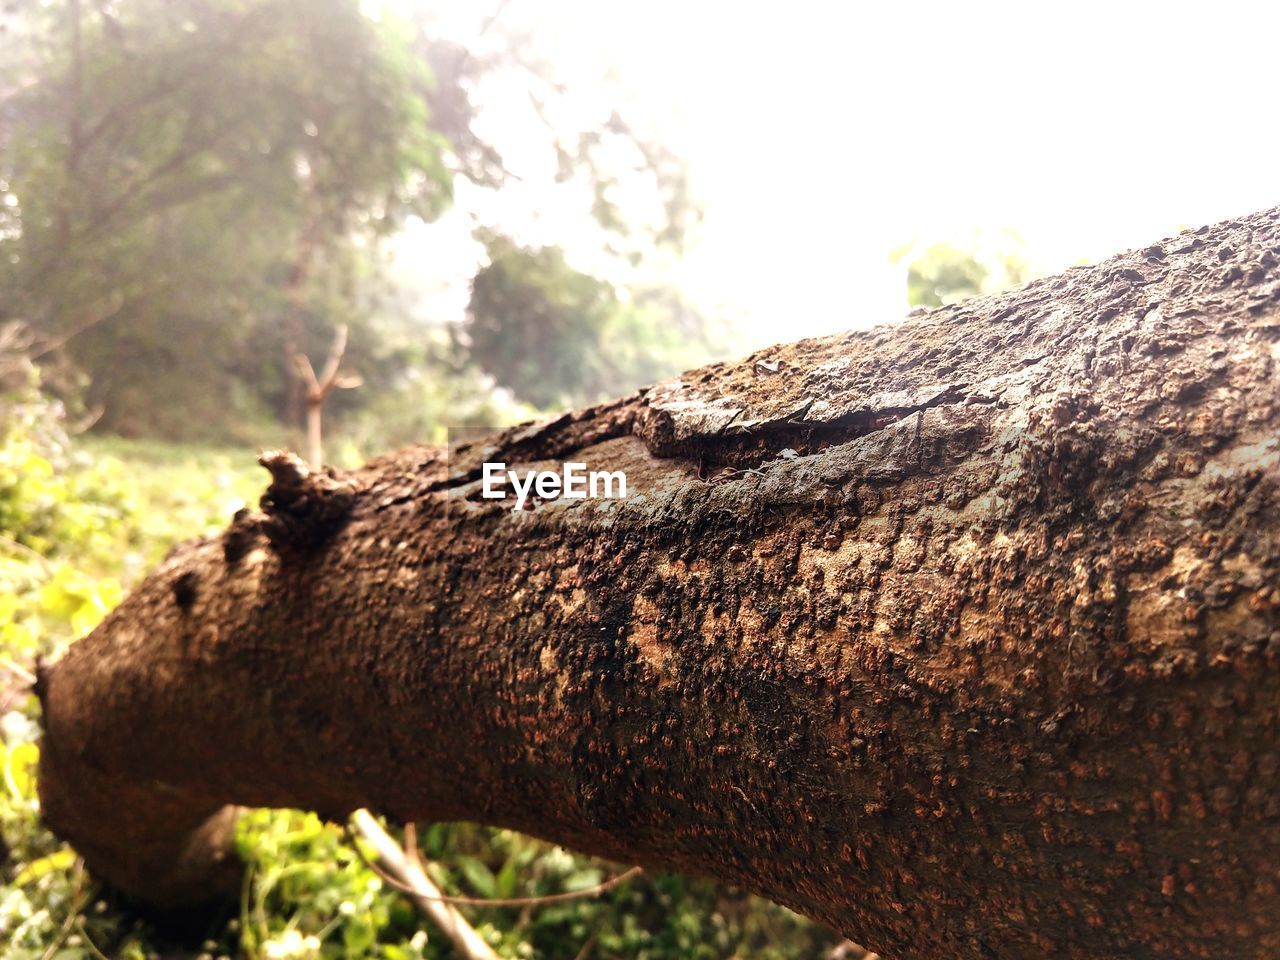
column 822, row 135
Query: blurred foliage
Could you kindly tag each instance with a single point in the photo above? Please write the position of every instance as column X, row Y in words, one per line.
column 74, row 528
column 80, row 519
column 556, row 336
column 311, row 893
column 945, row 272
column 193, row 191
column 175, row 171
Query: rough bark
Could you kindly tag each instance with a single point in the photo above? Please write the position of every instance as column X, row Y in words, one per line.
column 961, row 635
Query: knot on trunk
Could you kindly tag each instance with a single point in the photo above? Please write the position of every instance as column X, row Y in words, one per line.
column 238, row 539
column 303, row 507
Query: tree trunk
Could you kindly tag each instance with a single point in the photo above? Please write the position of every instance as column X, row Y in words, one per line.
column 961, row 635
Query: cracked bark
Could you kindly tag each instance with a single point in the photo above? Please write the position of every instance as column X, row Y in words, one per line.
column 976, row 654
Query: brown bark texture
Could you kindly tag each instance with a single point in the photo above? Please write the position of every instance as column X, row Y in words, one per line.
column 961, row 635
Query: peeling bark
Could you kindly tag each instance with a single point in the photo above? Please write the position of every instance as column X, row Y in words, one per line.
column 961, row 635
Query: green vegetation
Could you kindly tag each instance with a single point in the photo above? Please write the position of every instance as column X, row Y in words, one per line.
column 941, row 273
column 192, row 193
column 579, row 341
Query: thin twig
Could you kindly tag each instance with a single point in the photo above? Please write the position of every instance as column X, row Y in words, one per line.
column 587, row 947
column 489, row 21
column 411, row 843
column 19, row 547
column 318, row 389
column 412, row 879
column 93, row 318
column 595, row 891
column 26, row 676
column 88, row 941
column 72, row 914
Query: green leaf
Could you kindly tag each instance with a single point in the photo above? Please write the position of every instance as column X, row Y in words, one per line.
column 479, row 877
column 508, row 880
column 582, row 879
column 59, row 861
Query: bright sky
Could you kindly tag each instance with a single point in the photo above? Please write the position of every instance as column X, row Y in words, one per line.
column 822, row 135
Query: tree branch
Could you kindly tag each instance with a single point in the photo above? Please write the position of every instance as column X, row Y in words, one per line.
column 318, row 389
column 974, row 653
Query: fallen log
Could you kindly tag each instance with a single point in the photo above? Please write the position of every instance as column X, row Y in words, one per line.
column 961, row 635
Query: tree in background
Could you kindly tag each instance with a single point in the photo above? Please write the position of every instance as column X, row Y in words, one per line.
column 201, row 190
column 556, row 336
column 175, row 171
